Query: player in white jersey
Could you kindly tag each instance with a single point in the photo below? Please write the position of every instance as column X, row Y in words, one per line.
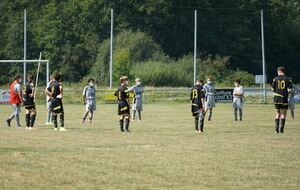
column 209, row 90
column 238, row 95
column 291, row 100
column 89, row 100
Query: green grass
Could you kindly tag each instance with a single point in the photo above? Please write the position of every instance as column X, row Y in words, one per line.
column 162, row 152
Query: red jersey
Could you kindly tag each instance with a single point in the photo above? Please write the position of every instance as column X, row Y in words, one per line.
column 14, row 97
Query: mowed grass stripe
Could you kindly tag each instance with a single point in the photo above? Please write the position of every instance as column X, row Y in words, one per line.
column 162, row 152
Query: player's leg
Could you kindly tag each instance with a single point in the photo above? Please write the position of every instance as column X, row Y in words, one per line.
column 27, row 118
column 235, row 114
column 127, row 121
column 197, row 124
column 282, row 120
column 32, row 117
column 139, row 113
column 49, row 113
column 210, row 112
column 293, row 113
column 17, row 110
column 277, row 118
column 201, row 121
column 241, row 114
column 86, row 113
column 91, row 115
column 121, row 122
column 133, row 115
column 54, row 120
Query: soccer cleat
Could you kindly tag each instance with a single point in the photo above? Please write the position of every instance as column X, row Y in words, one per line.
column 27, row 128
column 8, row 122
column 235, row 119
column 55, row 129
column 62, row 129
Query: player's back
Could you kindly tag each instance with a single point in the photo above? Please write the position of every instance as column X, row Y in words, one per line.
column 281, row 87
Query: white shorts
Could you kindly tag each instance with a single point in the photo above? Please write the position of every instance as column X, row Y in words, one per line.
column 237, row 103
column 90, row 105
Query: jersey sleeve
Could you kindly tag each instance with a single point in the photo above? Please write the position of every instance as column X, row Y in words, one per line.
column 84, row 91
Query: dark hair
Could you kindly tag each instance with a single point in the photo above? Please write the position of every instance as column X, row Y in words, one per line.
column 30, row 77
column 281, row 68
column 91, row 80
column 17, row 76
column 238, row 81
column 200, row 81
column 56, row 76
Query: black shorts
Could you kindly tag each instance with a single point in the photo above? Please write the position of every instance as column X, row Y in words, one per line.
column 195, row 109
column 281, row 106
column 123, row 108
column 30, row 107
column 56, row 106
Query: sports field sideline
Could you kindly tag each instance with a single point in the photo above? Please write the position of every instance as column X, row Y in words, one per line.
column 162, row 152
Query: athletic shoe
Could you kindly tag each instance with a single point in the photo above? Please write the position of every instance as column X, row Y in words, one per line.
column 55, row 129
column 235, row 119
column 197, row 131
column 62, row 129
column 276, row 132
column 8, row 122
column 241, row 120
column 27, row 128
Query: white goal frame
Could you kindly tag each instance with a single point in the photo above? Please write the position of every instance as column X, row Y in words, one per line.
column 30, row 61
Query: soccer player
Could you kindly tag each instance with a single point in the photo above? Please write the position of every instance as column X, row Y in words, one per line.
column 49, row 115
column 28, row 102
column 291, row 101
column 209, row 90
column 238, row 94
column 137, row 104
column 16, row 100
column 122, row 94
column 281, row 86
column 89, row 100
column 55, row 91
column 198, row 105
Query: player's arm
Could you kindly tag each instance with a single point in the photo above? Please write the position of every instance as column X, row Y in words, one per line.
column 48, row 91
column 274, row 85
column 84, row 95
column 290, row 86
column 61, row 92
column 33, row 92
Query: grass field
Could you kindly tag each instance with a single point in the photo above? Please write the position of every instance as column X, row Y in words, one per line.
column 162, row 152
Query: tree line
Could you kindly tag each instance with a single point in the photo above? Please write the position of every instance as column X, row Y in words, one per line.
column 153, row 39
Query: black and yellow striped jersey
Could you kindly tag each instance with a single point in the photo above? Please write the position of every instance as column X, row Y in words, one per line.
column 281, row 86
column 122, row 93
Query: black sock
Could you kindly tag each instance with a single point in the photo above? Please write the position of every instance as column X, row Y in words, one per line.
column 121, row 125
column 62, row 119
column 196, row 123
column 127, row 121
column 27, row 119
column 282, row 124
column 54, row 119
column 202, row 125
column 241, row 114
column 32, row 120
column 277, row 125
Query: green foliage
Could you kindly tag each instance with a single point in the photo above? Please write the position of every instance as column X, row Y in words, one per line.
column 74, row 36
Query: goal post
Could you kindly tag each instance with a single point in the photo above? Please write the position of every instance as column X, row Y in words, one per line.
column 36, row 61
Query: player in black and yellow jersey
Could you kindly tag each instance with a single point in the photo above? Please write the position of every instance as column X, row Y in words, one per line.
column 281, row 86
column 55, row 92
column 122, row 94
column 198, row 101
column 28, row 102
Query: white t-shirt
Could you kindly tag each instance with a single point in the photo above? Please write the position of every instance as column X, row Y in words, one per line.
column 238, row 90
